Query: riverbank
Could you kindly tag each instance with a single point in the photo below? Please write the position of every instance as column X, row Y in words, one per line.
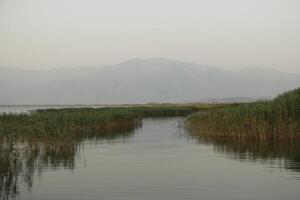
column 71, row 122
column 273, row 120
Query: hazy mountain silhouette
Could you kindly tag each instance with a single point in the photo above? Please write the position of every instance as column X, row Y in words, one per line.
column 139, row 81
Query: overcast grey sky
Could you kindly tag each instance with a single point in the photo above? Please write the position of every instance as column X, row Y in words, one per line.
column 230, row 34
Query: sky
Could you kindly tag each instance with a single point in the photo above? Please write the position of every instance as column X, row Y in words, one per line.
column 231, row 34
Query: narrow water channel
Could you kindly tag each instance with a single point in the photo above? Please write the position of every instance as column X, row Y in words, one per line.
column 160, row 161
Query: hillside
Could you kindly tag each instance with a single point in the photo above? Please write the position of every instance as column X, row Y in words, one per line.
column 139, row 81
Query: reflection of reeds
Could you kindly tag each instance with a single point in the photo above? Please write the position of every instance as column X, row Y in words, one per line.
column 9, row 168
column 276, row 120
column 51, row 138
column 283, row 154
column 19, row 161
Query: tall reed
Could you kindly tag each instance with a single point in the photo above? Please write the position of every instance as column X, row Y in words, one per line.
column 73, row 121
column 273, row 120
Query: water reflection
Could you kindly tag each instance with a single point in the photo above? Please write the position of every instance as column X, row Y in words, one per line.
column 168, row 164
column 285, row 155
column 19, row 161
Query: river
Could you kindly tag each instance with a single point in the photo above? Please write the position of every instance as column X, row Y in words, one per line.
column 158, row 161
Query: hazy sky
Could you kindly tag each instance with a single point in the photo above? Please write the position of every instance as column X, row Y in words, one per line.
column 225, row 33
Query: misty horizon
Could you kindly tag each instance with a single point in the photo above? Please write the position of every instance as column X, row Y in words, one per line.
column 139, row 51
column 139, row 81
column 145, row 59
column 229, row 34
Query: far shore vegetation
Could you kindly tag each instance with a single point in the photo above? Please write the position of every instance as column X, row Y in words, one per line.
column 270, row 120
column 71, row 122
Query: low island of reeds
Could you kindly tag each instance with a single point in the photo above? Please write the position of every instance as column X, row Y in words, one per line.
column 71, row 122
column 270, row 120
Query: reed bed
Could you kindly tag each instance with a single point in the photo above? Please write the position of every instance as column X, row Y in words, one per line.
column 42, row 138
column 75, row 121
column 273, row 120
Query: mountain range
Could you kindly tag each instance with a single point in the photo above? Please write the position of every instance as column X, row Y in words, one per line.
column 140, row 81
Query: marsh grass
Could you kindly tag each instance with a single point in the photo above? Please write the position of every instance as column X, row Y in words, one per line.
column 21, row 159
column 76, row 121
column 51, row 138
column 274, row 120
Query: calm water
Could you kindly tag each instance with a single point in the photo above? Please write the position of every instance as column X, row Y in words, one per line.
column 158, row 161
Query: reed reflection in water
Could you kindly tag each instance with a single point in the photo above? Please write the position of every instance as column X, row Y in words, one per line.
column 285, row 155
column 158, row 160
column 20, row 161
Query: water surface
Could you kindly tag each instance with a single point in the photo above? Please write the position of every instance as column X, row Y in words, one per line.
column 158, row 161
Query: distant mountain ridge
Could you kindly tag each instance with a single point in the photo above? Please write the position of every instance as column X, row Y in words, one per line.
column 140, row 81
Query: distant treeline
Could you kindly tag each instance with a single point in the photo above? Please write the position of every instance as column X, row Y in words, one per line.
column 273, row 120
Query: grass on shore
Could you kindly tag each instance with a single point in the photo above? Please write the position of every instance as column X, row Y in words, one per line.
column 77, row 121
column 274, row 120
